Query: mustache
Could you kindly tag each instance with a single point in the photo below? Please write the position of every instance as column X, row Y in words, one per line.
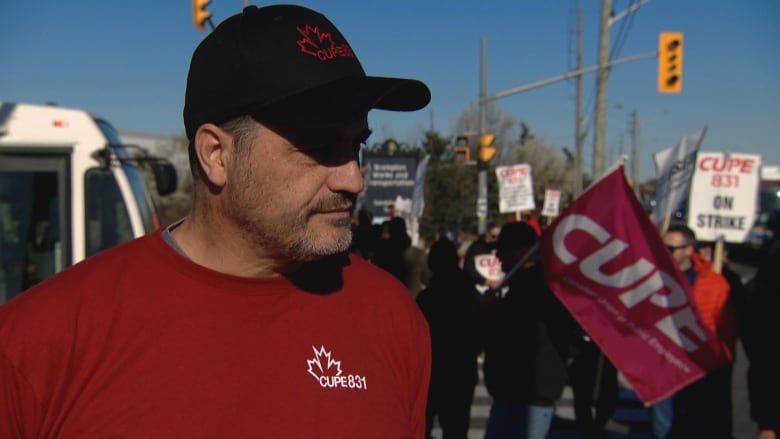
column 342, row 200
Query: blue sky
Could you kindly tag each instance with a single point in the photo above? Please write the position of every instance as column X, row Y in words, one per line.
column 127, row 61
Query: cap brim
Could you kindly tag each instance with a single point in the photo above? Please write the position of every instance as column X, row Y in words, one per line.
column 344, row 100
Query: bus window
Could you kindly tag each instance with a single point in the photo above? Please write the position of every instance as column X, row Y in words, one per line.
column 30, row 230
column 107, row 220
column 34, row 238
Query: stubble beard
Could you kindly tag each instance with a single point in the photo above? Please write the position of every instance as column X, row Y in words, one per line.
column 307, row 242
column 286, row 234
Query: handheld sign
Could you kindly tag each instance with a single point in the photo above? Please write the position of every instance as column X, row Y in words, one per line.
column 515, row 188
column 723, row 196
column 552, row 202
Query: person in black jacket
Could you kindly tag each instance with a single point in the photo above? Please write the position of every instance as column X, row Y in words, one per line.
column 449, row 303
column 759, row 338
column 527, row 337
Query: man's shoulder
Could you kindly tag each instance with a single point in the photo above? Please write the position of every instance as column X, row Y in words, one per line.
column 711, row 280
column 477, row 243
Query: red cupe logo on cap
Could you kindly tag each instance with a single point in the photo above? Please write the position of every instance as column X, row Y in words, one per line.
column 321, row 44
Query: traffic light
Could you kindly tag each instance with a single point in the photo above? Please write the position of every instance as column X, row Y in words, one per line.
column 670, row 62
column 199, row 13
column 486, row 149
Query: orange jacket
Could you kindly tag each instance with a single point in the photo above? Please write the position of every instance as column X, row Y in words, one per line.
column 711, row 296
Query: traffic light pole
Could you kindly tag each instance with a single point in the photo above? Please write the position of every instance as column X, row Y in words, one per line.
column 482, row 199
column 567, row 75
column 603, row 67
column 484, row 100
column 608, row 19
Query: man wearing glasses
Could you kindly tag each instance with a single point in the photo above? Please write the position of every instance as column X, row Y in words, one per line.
column 702, row 409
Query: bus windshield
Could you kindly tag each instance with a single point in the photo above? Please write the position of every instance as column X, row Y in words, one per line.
column 141, row 193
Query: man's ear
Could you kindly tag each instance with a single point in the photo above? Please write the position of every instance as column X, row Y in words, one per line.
column 210, row 148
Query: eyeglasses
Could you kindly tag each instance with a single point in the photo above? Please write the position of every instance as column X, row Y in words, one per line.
column 674, row 248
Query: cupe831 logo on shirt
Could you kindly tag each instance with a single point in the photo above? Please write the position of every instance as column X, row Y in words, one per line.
column 327, row 371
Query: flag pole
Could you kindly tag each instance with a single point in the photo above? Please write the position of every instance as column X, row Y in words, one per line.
column 531, row 252
column 665, row 223
column 717, row 255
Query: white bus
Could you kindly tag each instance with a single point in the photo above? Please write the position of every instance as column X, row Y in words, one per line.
column 68, row 189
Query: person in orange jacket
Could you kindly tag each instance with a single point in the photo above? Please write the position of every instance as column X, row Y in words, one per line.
column 702, row 409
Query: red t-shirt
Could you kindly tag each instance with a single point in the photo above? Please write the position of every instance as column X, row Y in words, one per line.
column 140, row 342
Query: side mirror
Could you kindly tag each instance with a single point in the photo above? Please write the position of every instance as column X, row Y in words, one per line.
column 165, row 177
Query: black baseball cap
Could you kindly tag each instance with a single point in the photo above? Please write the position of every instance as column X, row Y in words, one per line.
column 286, row 65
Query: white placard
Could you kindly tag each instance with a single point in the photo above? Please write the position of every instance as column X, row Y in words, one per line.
column 552, row 202
column 723, row 196
column 515, row 188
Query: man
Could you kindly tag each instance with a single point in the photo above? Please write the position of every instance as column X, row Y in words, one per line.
column 527, row 338
column 395, row 254
column 759, row 337
column 248, row 318
column 450, row 304
column 480, row 260
column 702, row 408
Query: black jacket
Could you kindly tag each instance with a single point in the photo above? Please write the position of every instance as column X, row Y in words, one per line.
column 759, row 337
column 449, row 303
column 527, row 336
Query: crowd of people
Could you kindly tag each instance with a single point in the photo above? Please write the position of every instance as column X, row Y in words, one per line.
column 532, row 348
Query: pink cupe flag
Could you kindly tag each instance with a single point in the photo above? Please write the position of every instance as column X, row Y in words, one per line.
column 605, row 260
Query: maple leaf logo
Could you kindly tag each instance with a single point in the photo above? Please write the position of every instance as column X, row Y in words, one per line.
column 321, row 45
column 318, row 367
column 314, row 41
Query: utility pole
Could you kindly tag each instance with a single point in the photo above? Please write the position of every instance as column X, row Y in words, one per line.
column 578, row 137
column 601, row 90
column 603, row 75
column 482, row 199
column 635, row 150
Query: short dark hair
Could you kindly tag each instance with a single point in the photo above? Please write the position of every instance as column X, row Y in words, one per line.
column 241, row 128
column 517, row 235
column 685, row 231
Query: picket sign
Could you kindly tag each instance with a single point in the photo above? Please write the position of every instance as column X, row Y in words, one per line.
column 552, row 202
column 724, row 193
column 515, row 188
